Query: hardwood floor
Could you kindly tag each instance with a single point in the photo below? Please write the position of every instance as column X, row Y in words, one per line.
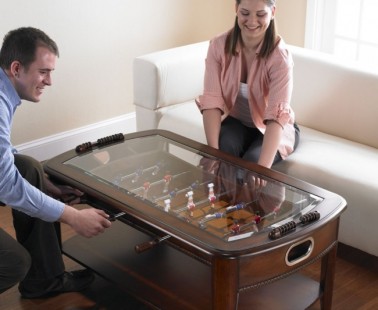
column 100, row 296
column 356, row 285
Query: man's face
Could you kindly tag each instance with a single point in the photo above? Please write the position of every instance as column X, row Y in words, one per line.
column 31, row 81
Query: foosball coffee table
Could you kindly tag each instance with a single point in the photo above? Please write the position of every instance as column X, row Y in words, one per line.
column 199, row 229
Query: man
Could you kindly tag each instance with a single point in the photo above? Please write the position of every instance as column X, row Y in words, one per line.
column 27, row 59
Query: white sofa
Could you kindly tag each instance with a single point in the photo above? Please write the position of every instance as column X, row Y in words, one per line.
column 336, row 107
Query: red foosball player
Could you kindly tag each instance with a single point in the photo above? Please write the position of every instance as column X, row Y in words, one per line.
column 146, row 187
column 167, row 180
column 257, row 218
column 235, row 228
column 212, row 196
column 191, row 205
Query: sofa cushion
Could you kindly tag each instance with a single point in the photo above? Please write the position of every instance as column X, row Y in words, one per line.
column 184, row 119
column 346, row 168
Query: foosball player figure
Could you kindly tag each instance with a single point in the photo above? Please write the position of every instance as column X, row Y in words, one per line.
column 191, row 206
column 173, row 193
column 118, row 179
column 157, row 168
column 138, row 174
column 167, row 203
column 167, row 180
column 212, row 196
column 257, row 218
column 146, row 187
column 194, row 185
column 235, row 228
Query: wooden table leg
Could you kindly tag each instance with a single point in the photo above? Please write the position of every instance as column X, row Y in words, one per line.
column 327, row 278
column 225, row 278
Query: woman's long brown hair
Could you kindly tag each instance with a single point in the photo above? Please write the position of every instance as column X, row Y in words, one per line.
column 270, row 37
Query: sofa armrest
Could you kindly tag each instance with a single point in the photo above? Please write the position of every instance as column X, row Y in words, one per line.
column 166, row 78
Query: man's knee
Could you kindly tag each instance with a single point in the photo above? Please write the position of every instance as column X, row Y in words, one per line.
column 15, row 262
column 30, row 169
column 21, row 266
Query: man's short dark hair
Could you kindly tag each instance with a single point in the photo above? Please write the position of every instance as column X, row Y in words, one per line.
column 21, row 45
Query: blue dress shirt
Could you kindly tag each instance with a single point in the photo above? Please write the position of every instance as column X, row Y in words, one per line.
column 15, row 191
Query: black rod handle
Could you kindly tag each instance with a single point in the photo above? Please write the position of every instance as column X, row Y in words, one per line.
column 88, row 146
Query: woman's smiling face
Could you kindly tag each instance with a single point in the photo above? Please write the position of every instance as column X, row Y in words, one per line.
column 254, row 17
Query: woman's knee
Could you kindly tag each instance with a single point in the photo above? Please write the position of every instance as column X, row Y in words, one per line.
column 230, row 146
column 252, row 155
column 232, row 137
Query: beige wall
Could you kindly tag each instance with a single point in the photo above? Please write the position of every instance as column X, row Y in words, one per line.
column 98, row 40
column 291, row 20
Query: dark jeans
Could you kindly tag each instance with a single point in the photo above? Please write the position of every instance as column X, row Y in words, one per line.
column 41, row 239
column 245, row 142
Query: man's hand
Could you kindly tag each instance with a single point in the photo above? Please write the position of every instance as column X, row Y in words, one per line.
column 86, row 222
column 64, row 193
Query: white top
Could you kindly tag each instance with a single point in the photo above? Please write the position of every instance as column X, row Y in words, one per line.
column 241, row 109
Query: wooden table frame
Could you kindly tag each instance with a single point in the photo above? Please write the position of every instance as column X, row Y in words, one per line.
column 235, row 281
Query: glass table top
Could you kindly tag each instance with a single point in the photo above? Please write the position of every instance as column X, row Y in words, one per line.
column 217, row 197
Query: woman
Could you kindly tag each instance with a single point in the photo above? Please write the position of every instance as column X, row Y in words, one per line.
column 247, row 91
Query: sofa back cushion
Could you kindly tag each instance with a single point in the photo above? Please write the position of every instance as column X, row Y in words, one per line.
column 335, row 97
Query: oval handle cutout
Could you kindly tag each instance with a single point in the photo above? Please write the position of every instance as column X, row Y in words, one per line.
column 299, row 251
